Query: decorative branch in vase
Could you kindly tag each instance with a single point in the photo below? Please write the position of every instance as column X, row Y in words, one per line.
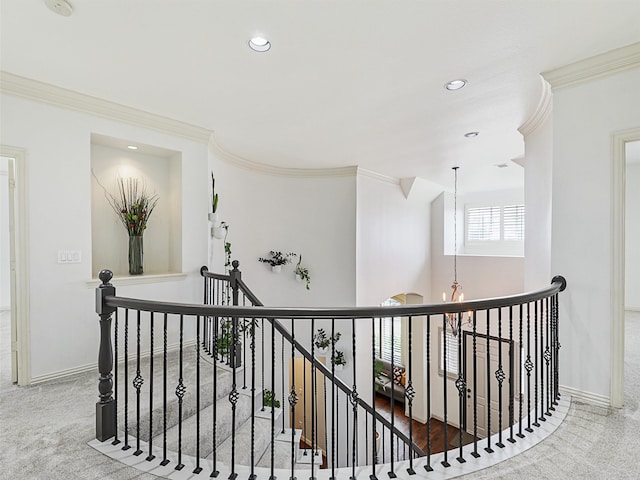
column 133, row 205
column 213, row 216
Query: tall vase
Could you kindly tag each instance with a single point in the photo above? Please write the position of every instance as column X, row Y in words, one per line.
column 135, row 254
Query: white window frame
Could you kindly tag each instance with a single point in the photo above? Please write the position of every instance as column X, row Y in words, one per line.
column 498, row 246
column 399, row 337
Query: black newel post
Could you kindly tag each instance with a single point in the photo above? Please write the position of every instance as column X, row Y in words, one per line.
column 105, row 408
column 234, row 276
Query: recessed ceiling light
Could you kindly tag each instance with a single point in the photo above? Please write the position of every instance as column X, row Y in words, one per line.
column 259, row 44
column 455, row 84
column 61, row 7
column 501, row 165
column 132, row 147
column 471, row 134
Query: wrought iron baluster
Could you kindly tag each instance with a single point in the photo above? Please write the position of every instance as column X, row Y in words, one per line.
column 474, row 362
column 500, row 376
column 333, row 407
column 198, row 468
column 181, row 389
column 314, row 414
column 520, row 363
column 528, row 366
column 535, row 357
column 488, row 448
column 252, row 347
column 273, row 390
column 293, row 399
column 547, row 358
column 137, row 384
column 354, row 402
column 511, row 377
column 374, row 433
column 151, row 456
column 214, row 351
column 409, row 392
column 126, row 445
column 445, row 462
column 164, row 393
column 116, row 441
column 282, row 377
column 392, row 473
column 428, row 466
column 461, row 386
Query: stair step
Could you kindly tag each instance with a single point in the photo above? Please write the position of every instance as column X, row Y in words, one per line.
column 262, row 439
column 223, row 427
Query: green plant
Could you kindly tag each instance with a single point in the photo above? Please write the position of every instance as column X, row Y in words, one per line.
column 303, row 272
column 321, row 340
column 378, row 373
column 338, row 358
column 277, row 258
column 214, row 195
column 133, row 205
column 269, row 399
column 227, row 245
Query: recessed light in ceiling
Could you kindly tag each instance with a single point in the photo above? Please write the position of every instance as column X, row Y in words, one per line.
column 455, row 84
column 259, row 44
column 132, row 147
column 471, row 134
column 61, row 7
column 501, row 165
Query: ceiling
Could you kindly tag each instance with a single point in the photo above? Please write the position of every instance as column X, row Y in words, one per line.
column 345, row 82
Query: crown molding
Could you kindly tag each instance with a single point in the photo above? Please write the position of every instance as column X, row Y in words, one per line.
column 246, row 164
column 378, row 176
column 541, row 113
column 61, row 97
column 609, row 63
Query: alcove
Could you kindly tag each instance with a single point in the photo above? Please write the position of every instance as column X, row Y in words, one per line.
column 161, row 171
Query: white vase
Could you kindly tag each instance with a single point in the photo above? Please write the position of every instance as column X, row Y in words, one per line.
column 276, row 268
column 298, row 277
column 339, row 367
column 322, row 351
column 218, row 232
column 213, row 218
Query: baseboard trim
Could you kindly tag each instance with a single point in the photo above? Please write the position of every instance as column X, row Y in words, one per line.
column 64, row 374
column 592, row 398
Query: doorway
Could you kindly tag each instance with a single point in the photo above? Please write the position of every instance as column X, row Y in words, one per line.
column 619, row 279
column 492, row 402
column 14, row 292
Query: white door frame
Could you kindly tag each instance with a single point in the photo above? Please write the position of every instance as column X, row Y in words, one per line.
column 20, row 263
column 619, row 140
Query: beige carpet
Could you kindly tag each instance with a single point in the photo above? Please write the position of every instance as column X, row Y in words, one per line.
column 44, row 432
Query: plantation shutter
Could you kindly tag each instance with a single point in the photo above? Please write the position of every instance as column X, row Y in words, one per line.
column 388, row 343
column 514, row 222
column 483, row 223
column 451, row 360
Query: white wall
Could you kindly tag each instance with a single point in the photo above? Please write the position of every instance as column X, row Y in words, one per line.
column 538, row 201
column 5, row 287
column 64, row 326
column 632, row 233
column 584, row 119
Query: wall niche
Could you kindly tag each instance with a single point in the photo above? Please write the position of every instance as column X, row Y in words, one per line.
column 161, row 171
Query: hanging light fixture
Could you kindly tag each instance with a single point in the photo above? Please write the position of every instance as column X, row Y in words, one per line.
column 456, row 288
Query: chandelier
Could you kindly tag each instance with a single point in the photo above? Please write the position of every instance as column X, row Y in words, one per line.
column 456, row 288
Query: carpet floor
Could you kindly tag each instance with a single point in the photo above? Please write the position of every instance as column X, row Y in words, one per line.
column 44, row 430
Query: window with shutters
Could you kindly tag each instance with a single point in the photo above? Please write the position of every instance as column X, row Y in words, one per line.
column 388, row 336
column 449, row 358
column 494, row 229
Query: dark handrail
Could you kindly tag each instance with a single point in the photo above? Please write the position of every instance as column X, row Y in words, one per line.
column 558, row 285
column 204, row 271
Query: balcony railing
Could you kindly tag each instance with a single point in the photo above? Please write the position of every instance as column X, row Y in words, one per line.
column 237, row 388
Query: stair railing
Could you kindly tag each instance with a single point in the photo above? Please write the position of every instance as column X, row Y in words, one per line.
column 510, row 343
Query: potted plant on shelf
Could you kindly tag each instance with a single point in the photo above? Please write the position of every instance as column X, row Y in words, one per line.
column 338, row 360
column 277, row 260
column 322, row 341
column 133, row 206
column 269, row 399
column 302, row 273
column 213, row 216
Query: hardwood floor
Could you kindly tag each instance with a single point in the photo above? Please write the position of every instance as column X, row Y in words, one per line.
column 420, row 438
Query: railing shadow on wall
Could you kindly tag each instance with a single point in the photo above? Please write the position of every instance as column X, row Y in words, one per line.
column 241, row 388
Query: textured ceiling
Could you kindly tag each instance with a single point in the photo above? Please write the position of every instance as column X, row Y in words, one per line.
column 345, row 82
